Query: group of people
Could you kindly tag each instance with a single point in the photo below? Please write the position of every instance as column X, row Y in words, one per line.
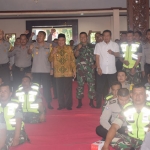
column 112, row 71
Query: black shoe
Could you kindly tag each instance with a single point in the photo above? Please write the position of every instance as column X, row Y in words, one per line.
column 69, row 108
column 91, row 103
column 79, row 103
column 50, row 107
column 60, row 108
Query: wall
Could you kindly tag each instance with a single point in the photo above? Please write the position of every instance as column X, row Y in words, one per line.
column 18, row 26
column 14, row 5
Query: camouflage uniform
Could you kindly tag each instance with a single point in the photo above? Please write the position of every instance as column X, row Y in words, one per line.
column 30, row 117
column 125, row 142
column 9, row 139
column 133, row 79
column 85, row 71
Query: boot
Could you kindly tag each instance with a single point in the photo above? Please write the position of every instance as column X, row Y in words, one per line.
column 91, row 103
column 79, row 103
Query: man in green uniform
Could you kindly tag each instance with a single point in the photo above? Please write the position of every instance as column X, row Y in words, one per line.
column 137, row 116
column 85, row 69
column 11, row 126
column 131, row 57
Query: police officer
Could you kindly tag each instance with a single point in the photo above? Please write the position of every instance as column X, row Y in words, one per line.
column 137, row 116
column 131, row 57
column 85, row 69
column 4, row 59
column 22, row 61
column 41, row 66
column 11, row 126
column 29, row 95
column 112, row 108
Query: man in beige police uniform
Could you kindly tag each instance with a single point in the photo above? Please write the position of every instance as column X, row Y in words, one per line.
column 41, row 66
column 4, row 59
column 22, row 61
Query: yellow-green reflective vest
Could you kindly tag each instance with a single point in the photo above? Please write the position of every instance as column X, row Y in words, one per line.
column 34, row 86
column 28, row 100
column 137, row 123
column 130, row 53
column 9, row 112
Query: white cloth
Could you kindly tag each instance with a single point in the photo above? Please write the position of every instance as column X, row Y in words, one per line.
column 146, row 143
column 107, row 61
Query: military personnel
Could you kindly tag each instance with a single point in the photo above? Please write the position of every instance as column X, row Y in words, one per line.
column 4, row 59
column 138, row 37
column 112, row 109
column 85, row 69
column 63, row 63
column 29, row 96
column 12, row 131
column 137, row 116
column 41, row 67
column 22, row 61
column 145, row 62
column 131, row 57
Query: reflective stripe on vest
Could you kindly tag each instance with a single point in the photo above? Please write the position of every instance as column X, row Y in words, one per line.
column 129, row 54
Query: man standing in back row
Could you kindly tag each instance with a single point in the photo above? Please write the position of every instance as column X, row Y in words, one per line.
column 41, row 66
column 63, row 61
column 85, row 69
column 4, row 59
column 105, row 52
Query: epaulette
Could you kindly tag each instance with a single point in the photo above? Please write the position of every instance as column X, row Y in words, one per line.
column 109, row 97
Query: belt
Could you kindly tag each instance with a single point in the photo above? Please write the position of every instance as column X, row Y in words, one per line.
column 2, row 65
column 22, row 68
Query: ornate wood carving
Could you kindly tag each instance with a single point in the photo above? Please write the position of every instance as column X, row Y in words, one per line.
column 138, row 15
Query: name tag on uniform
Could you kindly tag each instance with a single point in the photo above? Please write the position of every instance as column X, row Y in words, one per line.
column 145, row 119
column 11, row 111
column 130, row 118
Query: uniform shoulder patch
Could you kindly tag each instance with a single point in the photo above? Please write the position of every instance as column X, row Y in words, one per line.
column 112, row 101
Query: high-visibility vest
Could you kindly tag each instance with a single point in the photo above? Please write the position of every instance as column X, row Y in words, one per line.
column 34, row 86
column 28, row 100
column 9, row 112
column 130, row 53
column 137, row 123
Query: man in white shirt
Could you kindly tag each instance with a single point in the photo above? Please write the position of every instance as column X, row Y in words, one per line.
column 105, row 52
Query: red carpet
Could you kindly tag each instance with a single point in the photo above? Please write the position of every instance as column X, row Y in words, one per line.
column 65, row 130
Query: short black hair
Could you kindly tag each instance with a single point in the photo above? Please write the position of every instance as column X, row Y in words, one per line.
column 83, row 33
column 116, row 83
column 107, row 31
column 71, row 40
column 123, row 33
column 130, row 32
column 98, row 33
column 4, row 84
column 121, row 71
column 140, row 85
column 42, row 33
column 18, row 38
column 139, row 33
column 123, row 92
column 23, row 35
column 27, row 78
column 148, row 30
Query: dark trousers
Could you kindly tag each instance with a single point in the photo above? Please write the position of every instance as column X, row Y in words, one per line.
column 18, row 74
column 102, row 132
column 147, row 71
column 45, row 80
column 64, row 91
column 54, row 86
column 5, row 73
column 119, row 65
column 101, row 82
